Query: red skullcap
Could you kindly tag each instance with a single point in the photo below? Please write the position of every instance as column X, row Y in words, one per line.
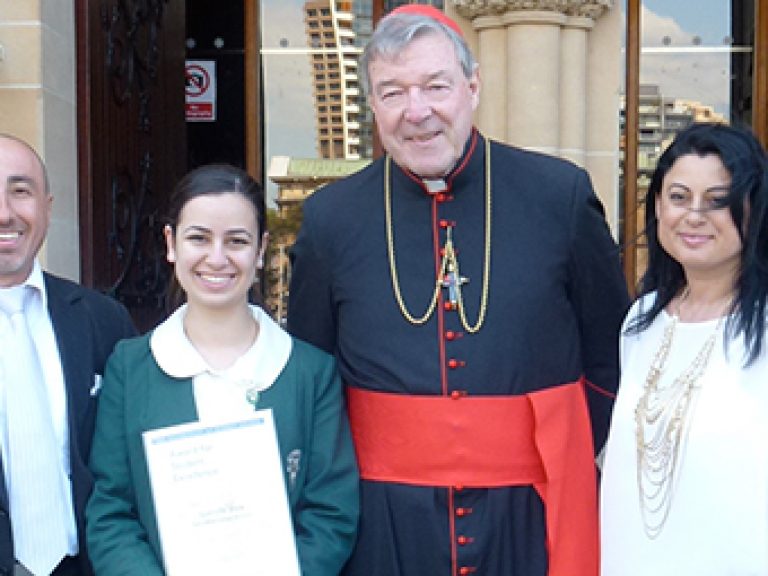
column 430, row 12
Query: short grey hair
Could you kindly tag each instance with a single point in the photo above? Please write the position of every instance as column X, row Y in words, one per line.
column 396, row 31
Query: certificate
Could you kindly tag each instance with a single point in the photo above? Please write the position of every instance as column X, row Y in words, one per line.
column 220, row 498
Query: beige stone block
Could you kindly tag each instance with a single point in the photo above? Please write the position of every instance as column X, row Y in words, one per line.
column 22, row 49
column 14, row 10
column 21, row 113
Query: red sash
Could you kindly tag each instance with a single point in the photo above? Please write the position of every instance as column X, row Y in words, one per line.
column 541, row 439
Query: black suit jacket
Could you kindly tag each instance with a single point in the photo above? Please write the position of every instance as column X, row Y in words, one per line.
column 87, row 325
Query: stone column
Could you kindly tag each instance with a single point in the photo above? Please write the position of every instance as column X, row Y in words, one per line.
column 573, row 89
column 492, row 112
column 605, row 74
column 556, row 76
column 533, row 88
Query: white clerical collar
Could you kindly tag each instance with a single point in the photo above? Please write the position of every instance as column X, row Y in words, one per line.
column 435, row 186
column 264, row 361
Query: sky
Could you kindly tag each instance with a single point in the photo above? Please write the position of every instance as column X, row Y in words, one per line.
column 685, row 49
column 709, row 19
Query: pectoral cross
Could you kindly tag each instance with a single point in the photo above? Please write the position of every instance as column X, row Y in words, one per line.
column 451, row 280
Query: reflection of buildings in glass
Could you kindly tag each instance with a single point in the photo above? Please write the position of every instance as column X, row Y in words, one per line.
column 362, row 24
column 296, row 178
column 336, row 86
column 660, row 119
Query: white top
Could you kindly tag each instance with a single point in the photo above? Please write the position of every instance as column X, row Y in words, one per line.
column 41, row 329
column 718, row 522
column 220, row 395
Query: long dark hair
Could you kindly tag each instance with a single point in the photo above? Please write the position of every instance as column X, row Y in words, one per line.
column 211, row 180
column 745, row 159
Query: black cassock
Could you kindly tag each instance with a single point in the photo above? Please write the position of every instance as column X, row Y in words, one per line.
column 556, row 299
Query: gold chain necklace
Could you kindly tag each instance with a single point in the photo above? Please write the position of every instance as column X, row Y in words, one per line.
column 662, row 419
column 449, row 264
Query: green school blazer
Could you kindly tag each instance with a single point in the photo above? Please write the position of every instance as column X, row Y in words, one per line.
column 307, row 404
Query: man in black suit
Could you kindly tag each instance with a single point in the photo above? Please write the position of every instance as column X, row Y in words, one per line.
column 71, row 331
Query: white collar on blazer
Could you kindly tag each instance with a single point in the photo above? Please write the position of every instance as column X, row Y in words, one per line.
column 262, row 363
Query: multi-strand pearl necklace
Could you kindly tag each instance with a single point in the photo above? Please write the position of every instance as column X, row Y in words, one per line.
column 662, row 419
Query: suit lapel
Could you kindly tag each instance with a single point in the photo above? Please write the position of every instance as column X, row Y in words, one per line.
column 75, row 347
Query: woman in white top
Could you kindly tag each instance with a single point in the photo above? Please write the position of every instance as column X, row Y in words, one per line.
column 215, row 360
column 685, row 477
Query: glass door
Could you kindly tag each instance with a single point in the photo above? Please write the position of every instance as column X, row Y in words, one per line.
column 687, row 61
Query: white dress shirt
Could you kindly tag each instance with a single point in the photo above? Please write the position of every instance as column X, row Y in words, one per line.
column 41, row 328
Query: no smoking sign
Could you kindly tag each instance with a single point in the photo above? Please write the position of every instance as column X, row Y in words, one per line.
column 200, row 90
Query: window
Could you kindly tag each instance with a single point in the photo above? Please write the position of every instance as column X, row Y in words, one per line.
column 692, row 65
